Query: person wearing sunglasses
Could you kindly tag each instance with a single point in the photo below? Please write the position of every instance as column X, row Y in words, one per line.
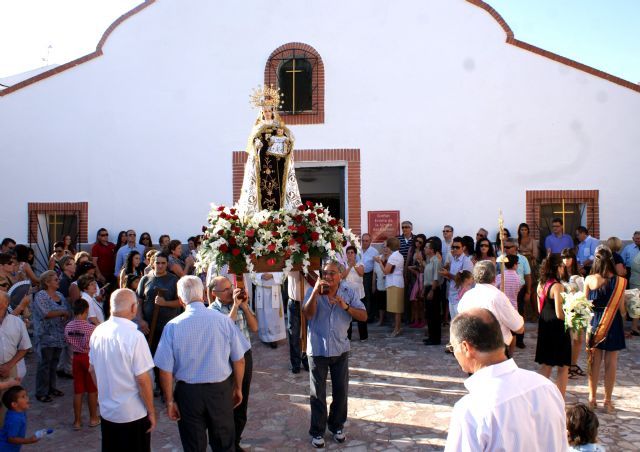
column 459, row 262
column 103, row 253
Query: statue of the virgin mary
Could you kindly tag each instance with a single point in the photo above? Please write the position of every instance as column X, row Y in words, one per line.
column 269, row 176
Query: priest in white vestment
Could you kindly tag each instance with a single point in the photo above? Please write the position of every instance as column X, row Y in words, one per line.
column 268, row 308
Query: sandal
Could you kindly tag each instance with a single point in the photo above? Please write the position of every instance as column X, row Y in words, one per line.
column 44, row 399
column 593, row 404
column 576, row 371
column 56, row 393
column 608, row 406
column 94, row 424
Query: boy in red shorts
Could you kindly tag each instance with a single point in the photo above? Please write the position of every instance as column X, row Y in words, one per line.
column 77, row 333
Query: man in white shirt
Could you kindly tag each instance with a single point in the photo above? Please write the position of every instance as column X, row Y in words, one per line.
column 486, row 295
column 366, row 258
column 120, row 363
column 507, row 408
column 14, row 344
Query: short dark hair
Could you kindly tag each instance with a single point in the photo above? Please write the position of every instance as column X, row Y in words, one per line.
column 100, row 231
column 7, row 241
column 435, row 243
column 22, row 253
column 162, row 254
column 582, row 425
column 80, row 306
column 11, row 395
column 557, row 220
column 483, row 334
column 173, row 244
column 458, row 239
column 5, row 258
column 582, row 230
column 85, row 281
column 512, row 261
column 351, row 248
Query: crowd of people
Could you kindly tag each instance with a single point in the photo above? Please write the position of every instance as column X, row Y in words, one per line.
column 141, row 305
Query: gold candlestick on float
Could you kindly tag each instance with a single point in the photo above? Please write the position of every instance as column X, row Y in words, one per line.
column 502, row 258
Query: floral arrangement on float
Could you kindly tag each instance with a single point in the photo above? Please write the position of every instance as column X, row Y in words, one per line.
column 578, row 311
column 271, row 240
column 632, row 302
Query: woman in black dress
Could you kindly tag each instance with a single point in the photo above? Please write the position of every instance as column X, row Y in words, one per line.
column 554, row 342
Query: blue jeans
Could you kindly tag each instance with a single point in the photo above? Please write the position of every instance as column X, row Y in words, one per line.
column 338, row 367
column 296, row 355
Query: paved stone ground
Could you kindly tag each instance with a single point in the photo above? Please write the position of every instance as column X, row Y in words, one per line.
column 401, row 396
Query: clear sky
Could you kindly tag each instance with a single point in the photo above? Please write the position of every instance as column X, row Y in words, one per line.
column 604, row 34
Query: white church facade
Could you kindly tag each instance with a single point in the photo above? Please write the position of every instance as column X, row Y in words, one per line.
column 430, row 108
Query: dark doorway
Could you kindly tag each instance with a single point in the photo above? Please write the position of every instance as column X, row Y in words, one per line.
column 324, row 185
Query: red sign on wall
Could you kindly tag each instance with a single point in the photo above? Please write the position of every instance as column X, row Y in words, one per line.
column 383, row 224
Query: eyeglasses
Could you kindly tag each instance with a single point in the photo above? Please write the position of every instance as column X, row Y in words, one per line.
column 406, row 227
column 456, row 247
column 226, row 289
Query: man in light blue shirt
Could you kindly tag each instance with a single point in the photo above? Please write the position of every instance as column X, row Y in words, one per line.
column 204, row 351
column 121, row 255
column 557, row 240
column 586, row 249
column 631, row 250
column 366, row 258
column 330, row 307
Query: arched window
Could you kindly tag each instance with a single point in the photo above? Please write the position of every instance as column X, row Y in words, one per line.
column 298, row 71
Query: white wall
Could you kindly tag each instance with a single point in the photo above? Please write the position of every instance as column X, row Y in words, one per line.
column 452, row 123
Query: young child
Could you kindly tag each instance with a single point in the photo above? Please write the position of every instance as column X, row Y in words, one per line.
column 12, row 435
column 77, row 333
column 511, row 280
column 582, row 429
column 463, row 281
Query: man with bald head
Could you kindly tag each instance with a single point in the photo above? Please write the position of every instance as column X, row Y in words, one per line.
column 14, row 344
column 507, row 408
column 203, row 351
column 120, row 363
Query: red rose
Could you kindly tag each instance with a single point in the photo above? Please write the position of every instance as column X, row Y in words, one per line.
column 312, row 216
column 302, row 229
column 223, row 215
column 224, row 248
column 264, row 223
column 232, row 211
column 301, row 207
column 236, row 230
column 300, row 240
column 220, row 208
column 232, row 241
column 304, row 248
column 235, row 251
column 221, row 232
column 277, row 221
column 340, row 229
column 271, row 247
column 292, row 242
column 315, row 236
column 276, row 234
column 271, row 262
column 204, row 229
column 309, row 204
column 234, row 217
column 298, row 218
column 292, row 228
column 333, row 245
column 332, row 222
column 250, row 232
column 319, row 211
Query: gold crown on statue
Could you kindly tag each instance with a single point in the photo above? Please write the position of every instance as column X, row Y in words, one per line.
column 266, row 96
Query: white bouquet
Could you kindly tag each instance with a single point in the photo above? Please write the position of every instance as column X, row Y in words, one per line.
column 577, row 311
column 632, row 302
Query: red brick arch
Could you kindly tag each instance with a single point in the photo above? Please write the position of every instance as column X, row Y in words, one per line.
column 271, row 78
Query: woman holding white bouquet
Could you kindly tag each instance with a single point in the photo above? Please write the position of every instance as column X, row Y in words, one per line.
column 606, row 290
column 554, row 343
column 573, row 282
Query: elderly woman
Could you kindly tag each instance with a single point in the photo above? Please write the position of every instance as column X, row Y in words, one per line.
column 176, row 265
column 50, row 313
column 89, row 291
column 606, row 290
column 394, row 282
column 353, row 274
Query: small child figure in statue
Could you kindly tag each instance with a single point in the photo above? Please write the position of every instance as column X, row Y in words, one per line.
column 279, row 144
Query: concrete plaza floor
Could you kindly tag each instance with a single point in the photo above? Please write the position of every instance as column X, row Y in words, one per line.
column 401, row 395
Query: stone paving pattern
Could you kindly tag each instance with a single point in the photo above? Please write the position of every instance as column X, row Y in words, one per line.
column 401, row 394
